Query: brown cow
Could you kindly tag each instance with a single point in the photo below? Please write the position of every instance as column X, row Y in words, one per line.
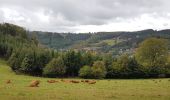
column 82, row 80
column 8, row 81
column 92, row 82
column 52, row 81
column 65, row 81
column 74, row 81
column 34, row 83
column 87, row 81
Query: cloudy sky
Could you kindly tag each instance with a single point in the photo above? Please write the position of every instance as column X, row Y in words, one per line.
column 86, row 15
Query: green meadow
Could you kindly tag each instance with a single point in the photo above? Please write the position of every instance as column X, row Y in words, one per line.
column 114, row 89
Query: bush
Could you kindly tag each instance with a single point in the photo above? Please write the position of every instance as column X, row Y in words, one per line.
column 120, row 67
column 14, row 62
column 28, row 65
column 152, row 52
column 125, row 67
column 54, row 68
column 85, row 72
column 98, row 69
column 16, row 59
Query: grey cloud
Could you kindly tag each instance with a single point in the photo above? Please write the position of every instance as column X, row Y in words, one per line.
column 1, row 17
column 69, row 13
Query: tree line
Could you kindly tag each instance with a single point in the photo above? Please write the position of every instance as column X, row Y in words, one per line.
column 25, row 55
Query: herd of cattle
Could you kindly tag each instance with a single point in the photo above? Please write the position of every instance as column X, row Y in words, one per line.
column 35, row 83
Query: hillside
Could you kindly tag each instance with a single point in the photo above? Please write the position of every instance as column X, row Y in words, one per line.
column 26, row 55
column 114, row 42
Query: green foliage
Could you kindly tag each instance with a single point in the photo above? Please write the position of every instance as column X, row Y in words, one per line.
column 85, row 72
column 6, row 50
column 121, row 63
column 152, row 54
column 167, row 67
column 14, row 62
column 73, row 62
column 55, row 68
column 13, row 30
column 11, row 37
column 98, row 69
column 29, row 60
column 120, row 66
column 90, row 57
column 34, row 39
column 108, row 59
column 28, row 65
column 124, row 67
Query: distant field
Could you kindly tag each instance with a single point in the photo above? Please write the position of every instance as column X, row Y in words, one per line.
column 136, row 89
column 111, row 42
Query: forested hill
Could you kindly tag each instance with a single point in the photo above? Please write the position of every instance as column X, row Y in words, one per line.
column 26, row 55
column 114, row 42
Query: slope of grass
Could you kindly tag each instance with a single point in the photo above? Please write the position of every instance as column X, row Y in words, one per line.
column 111, row 42
column 137, row 89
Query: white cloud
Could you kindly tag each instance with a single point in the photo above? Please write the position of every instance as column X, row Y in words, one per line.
column 11, row 15
column 43, row 17
column 145, row 21
column 86, row 15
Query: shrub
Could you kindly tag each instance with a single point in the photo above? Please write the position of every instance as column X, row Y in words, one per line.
column 85, row 72
column 98, row 69
column 15, row 60
column 28, row 64
column 54, row 68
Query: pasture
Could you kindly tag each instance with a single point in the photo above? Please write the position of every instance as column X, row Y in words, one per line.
column 115, row 89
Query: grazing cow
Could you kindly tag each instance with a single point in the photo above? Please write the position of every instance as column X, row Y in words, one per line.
column 66, row 81
column 8, row 81
column 34, row 83
column 82, row 81
column 62, row 80
column 52, row 81
column 92, row 82
column 74, row 81
column 87, row 81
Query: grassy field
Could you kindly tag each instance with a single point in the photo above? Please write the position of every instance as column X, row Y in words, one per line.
column 111, row 42
column 136, row 89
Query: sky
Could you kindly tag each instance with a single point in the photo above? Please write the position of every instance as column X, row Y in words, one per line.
column 86, row 15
